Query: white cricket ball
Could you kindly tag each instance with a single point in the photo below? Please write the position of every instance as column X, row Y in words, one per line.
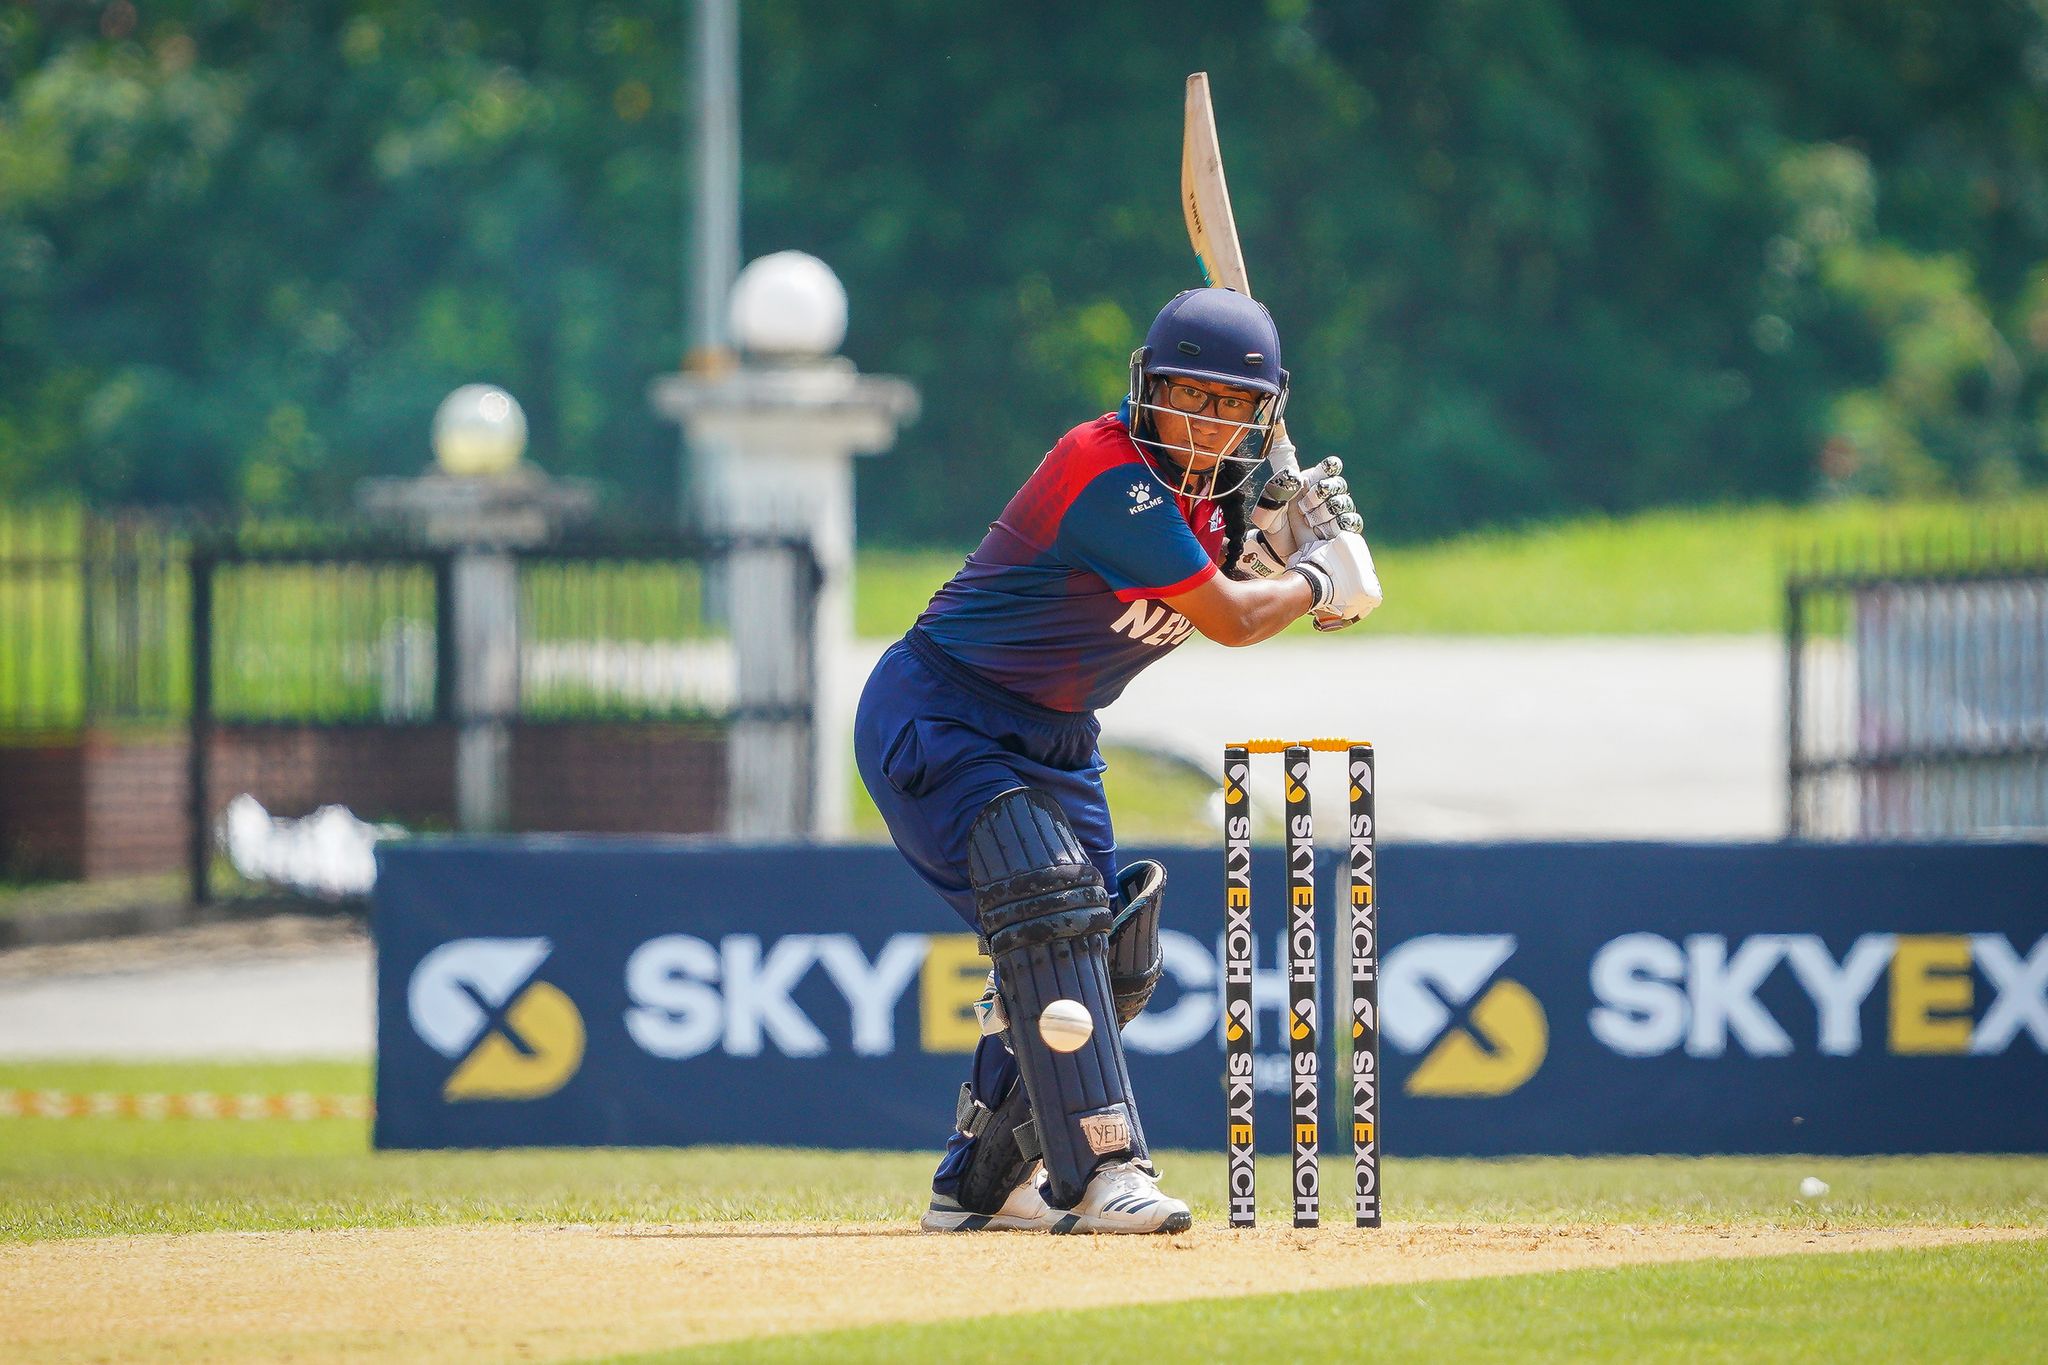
column 1065, row 1025
column 1813, row 1187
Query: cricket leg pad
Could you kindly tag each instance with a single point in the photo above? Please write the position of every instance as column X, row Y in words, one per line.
column 1005, row 1152
column 1046, row 916
column 1135, row 962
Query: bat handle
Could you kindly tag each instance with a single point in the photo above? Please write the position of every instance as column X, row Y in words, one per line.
column 1282, row 484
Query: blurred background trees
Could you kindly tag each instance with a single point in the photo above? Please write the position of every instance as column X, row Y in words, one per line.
column 1531, row 257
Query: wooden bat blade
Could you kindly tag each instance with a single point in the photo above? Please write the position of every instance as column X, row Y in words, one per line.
column 1205, row 196
column 1212, row 231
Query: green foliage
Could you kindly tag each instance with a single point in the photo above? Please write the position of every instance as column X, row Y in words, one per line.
column 1531, row 257
column 245, row 249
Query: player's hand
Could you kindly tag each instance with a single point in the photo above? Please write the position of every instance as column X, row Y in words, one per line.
column 1324, row 506
column 1340, row 570
column 1269, row 511
column 1326, row 622
column 1260, row 558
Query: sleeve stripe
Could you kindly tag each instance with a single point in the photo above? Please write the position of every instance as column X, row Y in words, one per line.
column 1188, row 584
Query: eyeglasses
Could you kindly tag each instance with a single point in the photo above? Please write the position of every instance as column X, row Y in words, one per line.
column 1193, row 401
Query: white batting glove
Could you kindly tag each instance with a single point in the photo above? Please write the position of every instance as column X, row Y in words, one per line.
column 1340, row 573
column 1269, row 513
column 1324, row 506
column 1260, row 558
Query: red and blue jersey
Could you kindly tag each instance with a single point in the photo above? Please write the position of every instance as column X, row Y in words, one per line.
column 1060, row 601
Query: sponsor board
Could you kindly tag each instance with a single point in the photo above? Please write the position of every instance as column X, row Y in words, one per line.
column 1532, row 998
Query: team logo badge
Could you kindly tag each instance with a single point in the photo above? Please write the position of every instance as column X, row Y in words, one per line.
column 1107, row 1131
column 476, row 1001
column 1480, row 1033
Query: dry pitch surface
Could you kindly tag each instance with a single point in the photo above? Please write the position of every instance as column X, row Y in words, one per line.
column 549, row 1292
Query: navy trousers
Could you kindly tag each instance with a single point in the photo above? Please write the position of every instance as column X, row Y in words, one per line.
column 935, row 743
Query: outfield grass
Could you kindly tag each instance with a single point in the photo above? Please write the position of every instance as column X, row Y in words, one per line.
column 1157, row 799
column 1707, row 572
column 93, row 1177
column 90, row 1177
column 1974, row 1303
column 106, row 893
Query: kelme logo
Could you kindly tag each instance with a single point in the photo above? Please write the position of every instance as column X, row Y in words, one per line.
column 476, row 999
column 1480, row 1033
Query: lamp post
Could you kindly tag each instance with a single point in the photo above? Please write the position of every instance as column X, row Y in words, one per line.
column 774, row 439
column 481, row 502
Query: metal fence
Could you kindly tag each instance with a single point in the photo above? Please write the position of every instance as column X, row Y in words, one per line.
column 349, row 656
column 1917, row 697
column 92, row 619
column 325, row 663
column 313, row 624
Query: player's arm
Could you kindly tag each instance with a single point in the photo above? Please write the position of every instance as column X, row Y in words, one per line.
column 1333, row 578
column 1243, row 613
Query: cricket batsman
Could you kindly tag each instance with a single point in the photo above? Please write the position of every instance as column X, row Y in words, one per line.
column 976, row 735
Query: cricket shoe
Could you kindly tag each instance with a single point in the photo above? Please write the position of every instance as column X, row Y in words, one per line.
column 1024, row 1211
column 1124, row 1197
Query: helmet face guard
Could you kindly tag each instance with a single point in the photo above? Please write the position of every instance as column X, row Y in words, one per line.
column 1222, row 337
column 1165, row 434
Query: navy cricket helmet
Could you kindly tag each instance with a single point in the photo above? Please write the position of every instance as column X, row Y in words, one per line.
column 1224, row 337
column 1216, row 334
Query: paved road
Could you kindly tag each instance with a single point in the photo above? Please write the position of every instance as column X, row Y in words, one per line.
column 1478, row 739
column 291, row 986
column 309, row 1006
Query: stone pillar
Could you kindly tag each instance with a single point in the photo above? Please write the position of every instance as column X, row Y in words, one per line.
column 486, row 593
column 480, row 502
column 774, row 440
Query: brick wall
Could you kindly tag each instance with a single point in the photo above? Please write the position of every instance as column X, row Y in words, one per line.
column 618, row 779
column 42, row 810
column 404, row 774
column 134, row 804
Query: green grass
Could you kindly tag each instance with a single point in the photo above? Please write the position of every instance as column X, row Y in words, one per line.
column 87, row 1177
column 1972, row 1303
column 93, row 1177
column 108, row 893
column 1157, row 799
column 1710, row 572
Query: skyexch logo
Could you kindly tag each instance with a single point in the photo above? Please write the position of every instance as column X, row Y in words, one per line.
column 1484, row 1034
column 476, row 999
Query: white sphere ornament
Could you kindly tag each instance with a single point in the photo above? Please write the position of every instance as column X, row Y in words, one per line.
column 788, row 304
column 1065, row 1025
column 479, row 430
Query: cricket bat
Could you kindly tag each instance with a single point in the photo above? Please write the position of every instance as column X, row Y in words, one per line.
column 1212, row 231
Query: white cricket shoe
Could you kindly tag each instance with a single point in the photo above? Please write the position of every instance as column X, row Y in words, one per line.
column 1024, row 1211
column 1124, row 1197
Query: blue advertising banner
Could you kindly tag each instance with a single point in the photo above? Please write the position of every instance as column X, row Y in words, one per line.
column 1570, row 998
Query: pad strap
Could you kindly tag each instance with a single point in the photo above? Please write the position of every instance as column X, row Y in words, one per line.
column 970, row 1115
column 977, row 1120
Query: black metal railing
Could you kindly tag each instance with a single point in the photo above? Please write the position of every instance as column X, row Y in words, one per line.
column 364, row 635
column 1917, row 694
column 92, row 619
